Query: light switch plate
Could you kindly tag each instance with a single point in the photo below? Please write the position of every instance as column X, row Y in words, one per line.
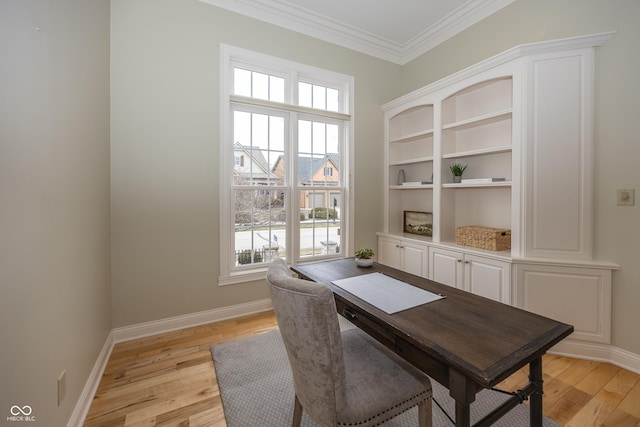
column 626, row 197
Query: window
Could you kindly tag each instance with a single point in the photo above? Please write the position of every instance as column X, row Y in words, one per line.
column 285, row 159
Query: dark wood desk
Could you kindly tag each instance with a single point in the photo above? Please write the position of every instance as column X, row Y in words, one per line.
column 464, row 341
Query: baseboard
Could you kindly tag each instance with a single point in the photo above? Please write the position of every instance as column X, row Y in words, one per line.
column 91, row 386
column 156, row 327
column 599, row 352
column 625, row 359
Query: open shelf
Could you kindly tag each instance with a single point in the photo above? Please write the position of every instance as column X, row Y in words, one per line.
column 478, row 152
column 485, row 119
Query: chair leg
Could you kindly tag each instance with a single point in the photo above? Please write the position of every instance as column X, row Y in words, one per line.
column 297, row 413
column 424, row 413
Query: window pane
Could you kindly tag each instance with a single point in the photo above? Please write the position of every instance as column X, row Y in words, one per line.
column 319, row 145
column 276, row 89
column 318, row 153
column 319, row 97
column 259, row 149
column 304, row 94
column 333, row 138
column 333, row 100
column 260, row 86
column 260, row 225
column 241, row 82
column 242, row 128
column 304, row 136
column 320, row 223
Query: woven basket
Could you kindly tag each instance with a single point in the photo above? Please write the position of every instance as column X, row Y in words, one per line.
column 495, row 239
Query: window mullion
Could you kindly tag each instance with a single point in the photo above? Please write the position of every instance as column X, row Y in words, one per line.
column 294, row 211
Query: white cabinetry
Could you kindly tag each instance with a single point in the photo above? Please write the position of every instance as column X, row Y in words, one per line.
column 577, row 295
column 523, row 123
column 403, row 254
column 480, row 275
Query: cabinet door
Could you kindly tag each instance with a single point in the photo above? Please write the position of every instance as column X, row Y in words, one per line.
column 489, row 278
column 389, row 252
column 446, row 267
column 415, row 259
column 575, row 295
column 558, row 220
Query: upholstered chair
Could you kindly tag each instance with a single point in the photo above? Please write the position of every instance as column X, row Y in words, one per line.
column 340, row 378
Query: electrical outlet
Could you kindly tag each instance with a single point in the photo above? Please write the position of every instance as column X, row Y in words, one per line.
column 62, row 386
column 626, row 197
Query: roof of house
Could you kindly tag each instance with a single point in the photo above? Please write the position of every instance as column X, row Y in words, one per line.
column 308, row 166
column 257, row 157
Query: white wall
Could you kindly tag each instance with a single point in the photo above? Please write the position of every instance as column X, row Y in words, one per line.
column 55, row 310
column 617, row 228
column 165, row 149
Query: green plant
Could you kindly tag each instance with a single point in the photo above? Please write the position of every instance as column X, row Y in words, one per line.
column 457, row 169
column 323, row 213
column 244, row 257
column 364, row 253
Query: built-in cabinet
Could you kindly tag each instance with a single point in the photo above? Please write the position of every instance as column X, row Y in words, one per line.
column 404, row 254
column 487, row 277
column 522, row 123
column 580, row 295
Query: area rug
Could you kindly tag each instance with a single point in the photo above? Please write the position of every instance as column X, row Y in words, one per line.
column 255, row 384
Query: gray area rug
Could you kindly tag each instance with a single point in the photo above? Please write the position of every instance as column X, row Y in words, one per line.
column 257, row 390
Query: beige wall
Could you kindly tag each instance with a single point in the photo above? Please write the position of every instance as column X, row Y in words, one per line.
column 55, row 310
column 617, row 228
column 165, row 149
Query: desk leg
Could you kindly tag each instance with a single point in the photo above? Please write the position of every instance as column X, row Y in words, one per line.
column 463, row 391
column 535, row 377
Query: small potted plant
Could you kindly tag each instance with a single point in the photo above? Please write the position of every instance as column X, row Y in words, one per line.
column 457, row 170
column 364, row 257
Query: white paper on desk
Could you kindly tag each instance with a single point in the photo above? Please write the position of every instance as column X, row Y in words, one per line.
column 386, row 293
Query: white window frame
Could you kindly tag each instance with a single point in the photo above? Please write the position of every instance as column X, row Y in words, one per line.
column 231, row 57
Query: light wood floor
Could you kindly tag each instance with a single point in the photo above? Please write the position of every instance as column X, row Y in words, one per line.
column 169, row 380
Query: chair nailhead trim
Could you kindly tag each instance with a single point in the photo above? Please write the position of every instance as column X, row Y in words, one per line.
column 414, row 400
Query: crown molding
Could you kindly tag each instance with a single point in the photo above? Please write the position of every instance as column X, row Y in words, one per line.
column 528, row 49
column 457, row 21
column 301, row 20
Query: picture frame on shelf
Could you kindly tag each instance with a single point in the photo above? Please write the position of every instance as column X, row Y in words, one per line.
column 416, row 222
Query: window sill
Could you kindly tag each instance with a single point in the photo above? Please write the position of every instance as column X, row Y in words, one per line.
column 243, row 276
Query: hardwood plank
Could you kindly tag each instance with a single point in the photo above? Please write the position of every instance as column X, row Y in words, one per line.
column 615, row 391
column 578, row 370
column 567, row 406
column 620, row 418
column 211, row 417
column 598, row 378
column 631, row 403
column 592, row 414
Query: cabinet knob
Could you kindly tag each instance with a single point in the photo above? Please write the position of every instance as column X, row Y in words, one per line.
column 466, row 262
column 458, row 260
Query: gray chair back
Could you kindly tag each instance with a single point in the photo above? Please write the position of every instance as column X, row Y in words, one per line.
column 306, row 314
